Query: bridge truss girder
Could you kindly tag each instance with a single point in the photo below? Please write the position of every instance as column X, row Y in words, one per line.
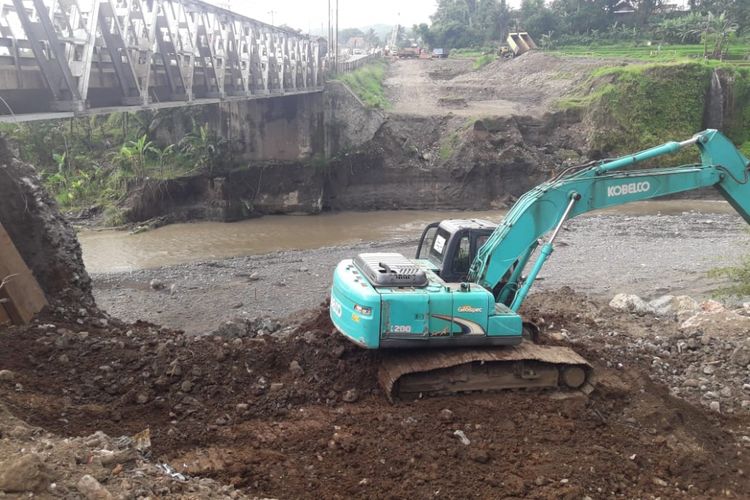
column 152, row 51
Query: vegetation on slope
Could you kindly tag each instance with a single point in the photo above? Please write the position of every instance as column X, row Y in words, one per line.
column 92, row 161
column 367, row 84
column 637, row 106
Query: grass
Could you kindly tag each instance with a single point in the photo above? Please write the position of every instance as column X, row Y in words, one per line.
column 91, row 161
column 466, row 53
column 367, row 84
column 737, row 55
column 738, row 277
column 640, row 105
column 484, row 60
column 448, row 146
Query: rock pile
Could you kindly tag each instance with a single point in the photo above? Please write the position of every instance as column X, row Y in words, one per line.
column 94, row 467
column 701, row 350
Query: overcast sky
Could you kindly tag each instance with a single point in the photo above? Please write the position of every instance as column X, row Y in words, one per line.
column 310, row 14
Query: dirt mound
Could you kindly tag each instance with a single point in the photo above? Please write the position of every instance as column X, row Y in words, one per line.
column 143, row 376
column 297, row 414
column 45, row 240
column 420, row 162
column 35, row 462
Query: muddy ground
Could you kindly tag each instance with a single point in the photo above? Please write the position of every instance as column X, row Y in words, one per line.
column 298, row 414
column 648, row 255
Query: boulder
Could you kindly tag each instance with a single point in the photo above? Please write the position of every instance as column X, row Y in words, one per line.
column 663, row 305
column 630, row 303
column 26, row 473
column 741, row 355
column 91, row 489
column 684, row 307
column 722, row 323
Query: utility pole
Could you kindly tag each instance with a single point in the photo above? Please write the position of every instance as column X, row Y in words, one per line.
column 272, row 12
column 330, row 38
column 337, row 36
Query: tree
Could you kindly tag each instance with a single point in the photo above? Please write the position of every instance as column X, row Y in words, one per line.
column 736, row 10
column 645, row 9
column 583, row 16
column 538, row 19
column 466, row 23
column 346, row 34
column 424, row 32
column 372, row 38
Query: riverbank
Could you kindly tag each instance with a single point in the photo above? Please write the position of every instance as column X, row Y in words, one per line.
column 599, row 255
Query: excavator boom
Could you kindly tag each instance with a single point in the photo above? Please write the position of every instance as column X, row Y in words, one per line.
column 603, row 185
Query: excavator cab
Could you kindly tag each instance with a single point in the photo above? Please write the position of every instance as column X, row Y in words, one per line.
column 449, row 247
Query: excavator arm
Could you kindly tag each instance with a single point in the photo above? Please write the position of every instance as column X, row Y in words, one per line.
column 500, row 262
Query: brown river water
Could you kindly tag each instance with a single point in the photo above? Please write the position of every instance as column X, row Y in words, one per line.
column 119, row 251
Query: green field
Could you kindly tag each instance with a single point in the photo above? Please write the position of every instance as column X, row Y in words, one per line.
column 739, row 53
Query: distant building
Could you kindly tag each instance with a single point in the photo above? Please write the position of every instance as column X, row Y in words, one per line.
column 357, row 42
column 624, row 7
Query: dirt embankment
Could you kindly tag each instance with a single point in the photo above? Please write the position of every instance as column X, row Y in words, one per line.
column 43, row 237
column 297, row 414
column 455, row 138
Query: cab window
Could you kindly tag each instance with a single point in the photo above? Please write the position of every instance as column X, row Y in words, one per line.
column 427, row 243
column 481, row 240
column 462, row 260
column 438, row 246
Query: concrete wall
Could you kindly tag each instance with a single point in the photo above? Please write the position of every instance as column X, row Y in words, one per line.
column 281, row 129
column 288, row 128
column 280, row 149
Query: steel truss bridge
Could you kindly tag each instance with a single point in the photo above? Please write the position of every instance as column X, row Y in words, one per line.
column 75, row 57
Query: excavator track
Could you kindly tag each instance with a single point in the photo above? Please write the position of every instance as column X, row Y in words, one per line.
column 406, row 375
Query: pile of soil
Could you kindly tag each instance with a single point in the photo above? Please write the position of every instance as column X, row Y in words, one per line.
column 45, row 240
column 297, row 414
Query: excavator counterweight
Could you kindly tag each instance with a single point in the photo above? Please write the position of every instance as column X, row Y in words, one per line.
column 450, row 315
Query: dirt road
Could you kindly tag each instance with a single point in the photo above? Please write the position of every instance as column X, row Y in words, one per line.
column 527, row 86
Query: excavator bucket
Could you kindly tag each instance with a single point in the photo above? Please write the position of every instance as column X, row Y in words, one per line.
column 409, row 374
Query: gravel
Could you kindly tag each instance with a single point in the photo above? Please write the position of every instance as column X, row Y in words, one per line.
column 649, row 255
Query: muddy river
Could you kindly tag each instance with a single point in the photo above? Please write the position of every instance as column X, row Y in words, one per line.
column 119, row 251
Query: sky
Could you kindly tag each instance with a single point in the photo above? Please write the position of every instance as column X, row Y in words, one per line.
column 310, row 14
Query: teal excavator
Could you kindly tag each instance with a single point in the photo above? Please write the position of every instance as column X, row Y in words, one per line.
column 448, row 319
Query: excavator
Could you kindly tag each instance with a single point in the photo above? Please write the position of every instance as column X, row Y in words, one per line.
column 448, row 320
